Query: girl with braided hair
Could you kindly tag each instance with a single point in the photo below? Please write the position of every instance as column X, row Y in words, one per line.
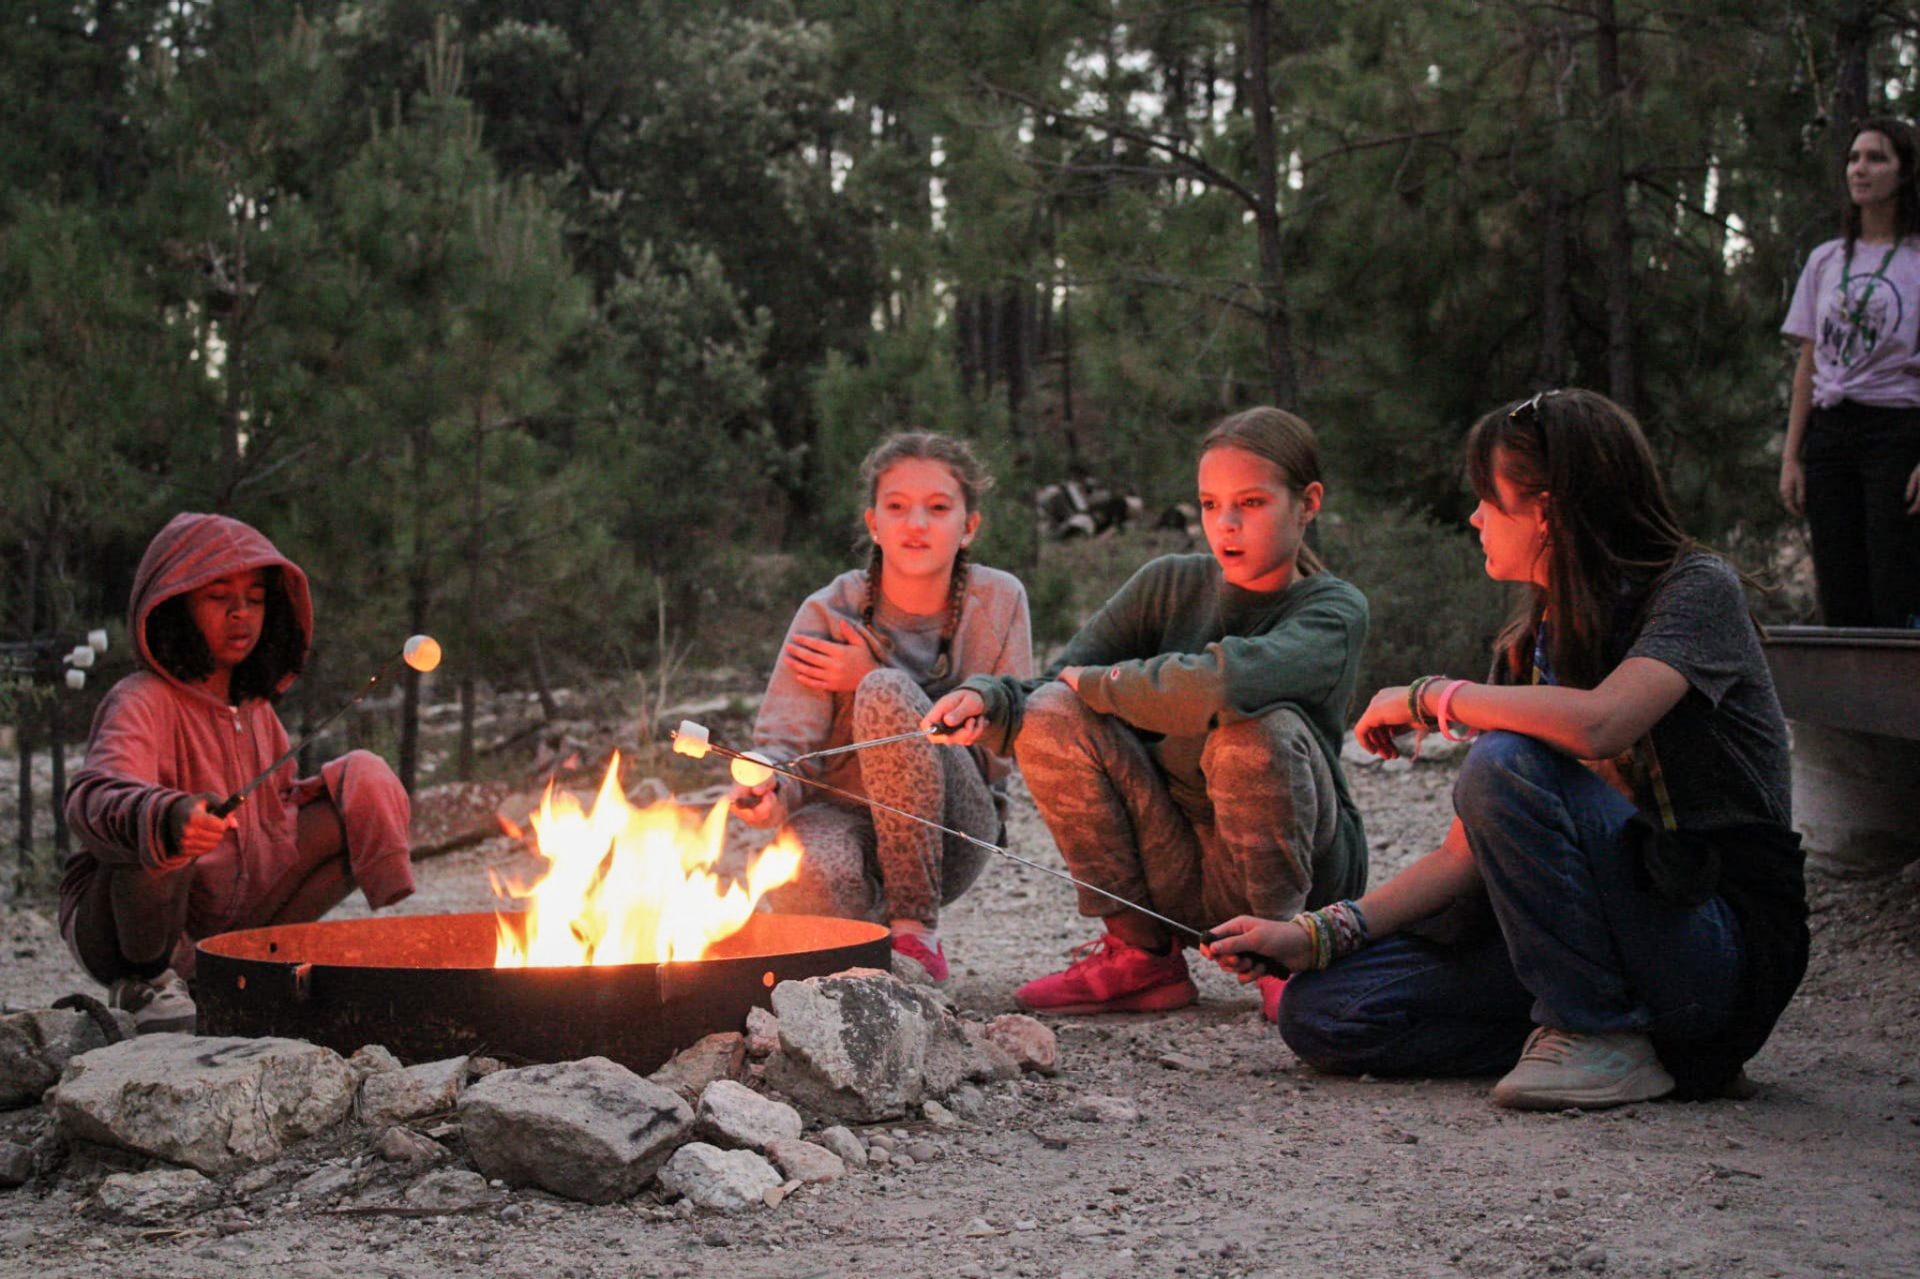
column 865, row 657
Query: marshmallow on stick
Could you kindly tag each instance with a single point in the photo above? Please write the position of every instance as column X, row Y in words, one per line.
column 691, row 739
column 422, row 652
column 752, row 769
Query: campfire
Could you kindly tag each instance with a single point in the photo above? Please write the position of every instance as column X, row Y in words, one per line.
column 631, row 945
column 629, row 886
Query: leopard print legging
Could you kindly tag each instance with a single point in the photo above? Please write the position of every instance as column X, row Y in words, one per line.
column 866, row 863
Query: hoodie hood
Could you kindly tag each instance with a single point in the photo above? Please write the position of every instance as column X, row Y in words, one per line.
column 193, row 550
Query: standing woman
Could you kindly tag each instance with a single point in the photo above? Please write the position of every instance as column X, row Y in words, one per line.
column 1851, row 463
column 864, row 658
column 1619, row 901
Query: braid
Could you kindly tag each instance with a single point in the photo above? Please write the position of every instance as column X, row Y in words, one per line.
column 874, row 561
column 956, row 600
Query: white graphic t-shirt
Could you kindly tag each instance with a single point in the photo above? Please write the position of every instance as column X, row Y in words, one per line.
column 1862, row 317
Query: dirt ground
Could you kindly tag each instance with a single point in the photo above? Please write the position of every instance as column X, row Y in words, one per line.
column 1242, row 1162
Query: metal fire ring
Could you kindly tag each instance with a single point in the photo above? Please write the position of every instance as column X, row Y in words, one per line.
column 424, row 986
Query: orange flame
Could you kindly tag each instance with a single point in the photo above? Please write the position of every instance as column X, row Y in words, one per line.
column 631, row 886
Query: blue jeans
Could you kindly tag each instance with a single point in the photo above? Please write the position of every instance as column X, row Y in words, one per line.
column 1581, row 945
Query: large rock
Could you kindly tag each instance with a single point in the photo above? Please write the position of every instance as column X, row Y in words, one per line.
column 722, row 1180
column 590, row 1130
column 732, row 1114
column 722, row 1056
column 395, row 1096
column 212, row 1104
column 864, row 1046
column 151, row 1198
column 35, row 1047
column 16, row 1164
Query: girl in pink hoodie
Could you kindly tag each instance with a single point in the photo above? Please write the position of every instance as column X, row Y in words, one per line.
column 221, row 623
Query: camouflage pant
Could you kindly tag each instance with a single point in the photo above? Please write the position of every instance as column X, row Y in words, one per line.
column 866, row 863
column 1270, row 812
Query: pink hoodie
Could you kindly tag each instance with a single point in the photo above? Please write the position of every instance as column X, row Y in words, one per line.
column 156, row 739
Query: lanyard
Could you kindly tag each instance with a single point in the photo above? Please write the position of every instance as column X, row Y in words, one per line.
column 1856, row 312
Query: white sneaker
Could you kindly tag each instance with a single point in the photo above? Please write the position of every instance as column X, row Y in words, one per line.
column 159, row 1005
column 1559, row 1068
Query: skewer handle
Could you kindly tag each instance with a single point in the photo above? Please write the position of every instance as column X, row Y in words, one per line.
column 1259, row 965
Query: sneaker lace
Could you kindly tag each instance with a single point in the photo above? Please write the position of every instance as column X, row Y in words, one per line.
column 1551, row 1044
column 1088, row 952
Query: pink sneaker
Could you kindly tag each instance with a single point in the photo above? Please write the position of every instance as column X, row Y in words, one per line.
column 1271, row 988
column 932, row 962
column 1108, row 975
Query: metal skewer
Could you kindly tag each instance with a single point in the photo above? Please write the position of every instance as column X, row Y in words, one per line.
column 419, row 656
column 860, row 746
column 1201, row 935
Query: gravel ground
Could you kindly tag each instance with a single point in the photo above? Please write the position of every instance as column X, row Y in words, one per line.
column 1242, row 1162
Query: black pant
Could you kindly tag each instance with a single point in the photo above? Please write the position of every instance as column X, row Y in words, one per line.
column 1866, row 548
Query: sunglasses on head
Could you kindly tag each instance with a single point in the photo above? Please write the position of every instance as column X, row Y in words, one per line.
column 1528, row 411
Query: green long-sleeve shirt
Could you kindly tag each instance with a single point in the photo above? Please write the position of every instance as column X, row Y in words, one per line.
column 1178, row 650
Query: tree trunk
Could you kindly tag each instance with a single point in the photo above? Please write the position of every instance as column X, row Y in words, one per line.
column 1556, row 286
column 1852, row 39
column 1276, row 325
column 1618, row 262
column 470, row 607
column 24, row 838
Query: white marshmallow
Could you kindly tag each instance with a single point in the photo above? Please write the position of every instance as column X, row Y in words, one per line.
column 97, row 641
column 690, row 739
column 422, row 652
column 752, row 768
column 81, row 657
column 76, row 679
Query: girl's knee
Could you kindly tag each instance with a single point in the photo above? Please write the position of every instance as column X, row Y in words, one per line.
column 1280, row 741
column 1054, row 715
column 888, row 696
column 1314, row 1027
column 1497, row 762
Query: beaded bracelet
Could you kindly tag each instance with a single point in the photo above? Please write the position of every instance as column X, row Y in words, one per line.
column 1416, row 714
column 1333, row 932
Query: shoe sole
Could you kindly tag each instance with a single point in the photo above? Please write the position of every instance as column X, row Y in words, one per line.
column 166, row 1026
column 1642, row 1085
column 1158, row 1000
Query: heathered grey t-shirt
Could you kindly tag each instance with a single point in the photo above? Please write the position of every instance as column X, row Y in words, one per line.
column 1723, row 748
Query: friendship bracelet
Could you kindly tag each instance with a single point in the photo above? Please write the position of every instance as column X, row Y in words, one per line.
column 1442, row 706
column 1333, row 932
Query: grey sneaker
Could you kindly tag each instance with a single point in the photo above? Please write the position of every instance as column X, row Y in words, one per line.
column 159, row 1005
column 1559, row 1068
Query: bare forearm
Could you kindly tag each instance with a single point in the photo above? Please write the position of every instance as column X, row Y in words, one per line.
column 1424, row 887
column 1800, row 407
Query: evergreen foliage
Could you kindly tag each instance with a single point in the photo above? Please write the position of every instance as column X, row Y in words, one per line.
column 523, row 319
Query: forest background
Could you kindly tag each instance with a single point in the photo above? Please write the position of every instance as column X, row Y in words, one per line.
column 547, row 326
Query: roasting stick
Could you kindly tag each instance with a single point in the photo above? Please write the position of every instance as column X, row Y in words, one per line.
column 421, row 652
column 860, row 746
column 698, row 745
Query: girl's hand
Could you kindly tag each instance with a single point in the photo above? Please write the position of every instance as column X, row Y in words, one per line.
column 1385, row 715
column 1913, row 492
column 1793, row 485
column 196, row 832
column 759, row 806
column 958, row 719
column 1243, row 935
column 831, row 665
column 1070, row 676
